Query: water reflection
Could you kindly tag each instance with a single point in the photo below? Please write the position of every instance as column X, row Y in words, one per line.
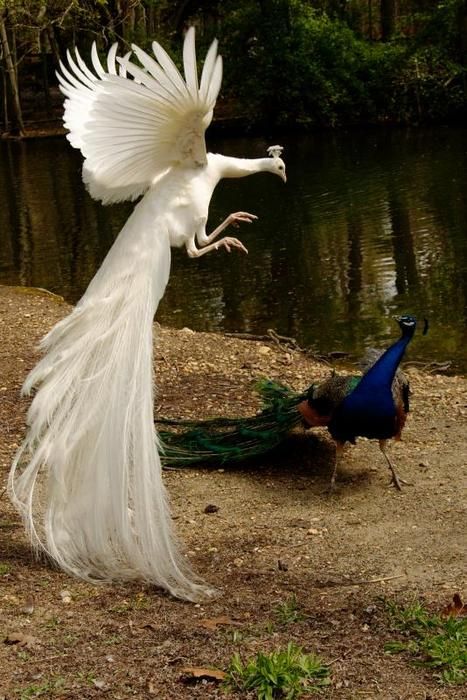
column 369, row 224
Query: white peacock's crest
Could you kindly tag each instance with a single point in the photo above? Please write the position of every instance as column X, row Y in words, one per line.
column 275, row 151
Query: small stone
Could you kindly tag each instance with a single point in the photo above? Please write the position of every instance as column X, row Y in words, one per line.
column 28, row 607
column 99, row 683
column 65, row 596
column 282, row 565
column 264, row 350
column 211, row 508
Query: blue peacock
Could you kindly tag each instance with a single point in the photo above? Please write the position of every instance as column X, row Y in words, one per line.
column 373, row 405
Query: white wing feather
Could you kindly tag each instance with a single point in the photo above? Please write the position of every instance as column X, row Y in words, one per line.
column 132, row 123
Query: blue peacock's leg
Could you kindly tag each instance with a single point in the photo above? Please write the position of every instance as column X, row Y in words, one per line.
column 337, row 460
column 396, row 479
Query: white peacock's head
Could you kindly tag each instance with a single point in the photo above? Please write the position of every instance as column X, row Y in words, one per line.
column 277, row 164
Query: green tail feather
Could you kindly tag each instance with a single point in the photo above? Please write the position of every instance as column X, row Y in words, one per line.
column 221, row 440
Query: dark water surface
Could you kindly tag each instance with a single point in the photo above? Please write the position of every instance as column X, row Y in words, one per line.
column 370, row 224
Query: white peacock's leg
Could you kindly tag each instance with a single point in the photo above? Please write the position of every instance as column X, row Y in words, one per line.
column 232, row 220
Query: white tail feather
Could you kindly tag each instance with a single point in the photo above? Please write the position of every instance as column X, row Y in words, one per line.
column 87, row 479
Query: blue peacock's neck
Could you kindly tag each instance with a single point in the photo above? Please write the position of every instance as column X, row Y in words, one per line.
column 382, row 373
column 369, row 409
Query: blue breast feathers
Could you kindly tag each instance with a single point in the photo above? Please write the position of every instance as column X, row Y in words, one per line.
column 369, row 410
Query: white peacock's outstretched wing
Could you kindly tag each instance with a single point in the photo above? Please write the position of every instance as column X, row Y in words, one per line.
column 133, row 124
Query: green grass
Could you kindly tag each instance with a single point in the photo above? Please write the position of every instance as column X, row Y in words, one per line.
column 138, row 602
column 286, row 674
column 436, row 642
column 47, row 689
column 4, row 569
column 289, row 612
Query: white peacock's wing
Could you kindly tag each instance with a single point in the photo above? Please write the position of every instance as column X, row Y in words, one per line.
column 133, row 124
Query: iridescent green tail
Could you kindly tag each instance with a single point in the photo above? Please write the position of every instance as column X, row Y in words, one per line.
column 231, row 440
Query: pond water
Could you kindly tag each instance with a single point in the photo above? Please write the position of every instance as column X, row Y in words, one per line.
column 370, row 224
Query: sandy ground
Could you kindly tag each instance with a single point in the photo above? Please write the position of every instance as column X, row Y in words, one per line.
column 274, row 535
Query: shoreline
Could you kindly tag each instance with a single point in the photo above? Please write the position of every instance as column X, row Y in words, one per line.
column 273, row 535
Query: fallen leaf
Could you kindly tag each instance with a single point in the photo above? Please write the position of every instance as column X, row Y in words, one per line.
column 190, row 673
column 152, row 688
column 22, row 640
column 11, row 599
column 456, row 608
column 213, row 622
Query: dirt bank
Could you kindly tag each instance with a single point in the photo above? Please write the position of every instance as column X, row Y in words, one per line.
column 338, row 555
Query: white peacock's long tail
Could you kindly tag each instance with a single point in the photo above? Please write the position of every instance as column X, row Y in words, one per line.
column 87, row 479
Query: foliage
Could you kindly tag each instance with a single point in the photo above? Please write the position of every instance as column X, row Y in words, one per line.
column 439, row 643
column 289, row 611
column 318, row 72
column 288, row 62
column 279, row 674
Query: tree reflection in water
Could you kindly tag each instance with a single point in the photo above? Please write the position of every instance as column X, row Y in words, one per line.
column 371, row 223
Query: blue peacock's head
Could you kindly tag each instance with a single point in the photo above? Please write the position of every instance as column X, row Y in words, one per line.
column 408, row 324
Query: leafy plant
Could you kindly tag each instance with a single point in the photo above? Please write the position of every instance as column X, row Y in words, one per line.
column 289, row 611
column 437, row 642
column 47, row 689
column 280, row 674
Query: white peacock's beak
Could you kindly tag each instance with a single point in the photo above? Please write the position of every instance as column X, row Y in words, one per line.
column 284, row 177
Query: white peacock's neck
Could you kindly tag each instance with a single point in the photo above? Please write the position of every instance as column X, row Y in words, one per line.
column 241, row 167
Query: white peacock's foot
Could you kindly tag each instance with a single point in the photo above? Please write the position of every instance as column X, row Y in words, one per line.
column 235, row 218
column 229, row 243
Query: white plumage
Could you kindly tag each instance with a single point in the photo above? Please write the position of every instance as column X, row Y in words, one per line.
column 87, row 478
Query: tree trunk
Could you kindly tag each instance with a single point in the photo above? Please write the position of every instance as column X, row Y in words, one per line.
column 388, row 19
column 151, row 21
column 462, row 31
column 11, row 70
column 52, row 36
column 45, row 71
column 5, row 101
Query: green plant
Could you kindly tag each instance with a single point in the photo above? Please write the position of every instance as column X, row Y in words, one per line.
column 436, row 642
column 52, row 623
column 280, row 674
column 289, row 611
column 138, row 602
column 46, row 689
column 4, row 569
